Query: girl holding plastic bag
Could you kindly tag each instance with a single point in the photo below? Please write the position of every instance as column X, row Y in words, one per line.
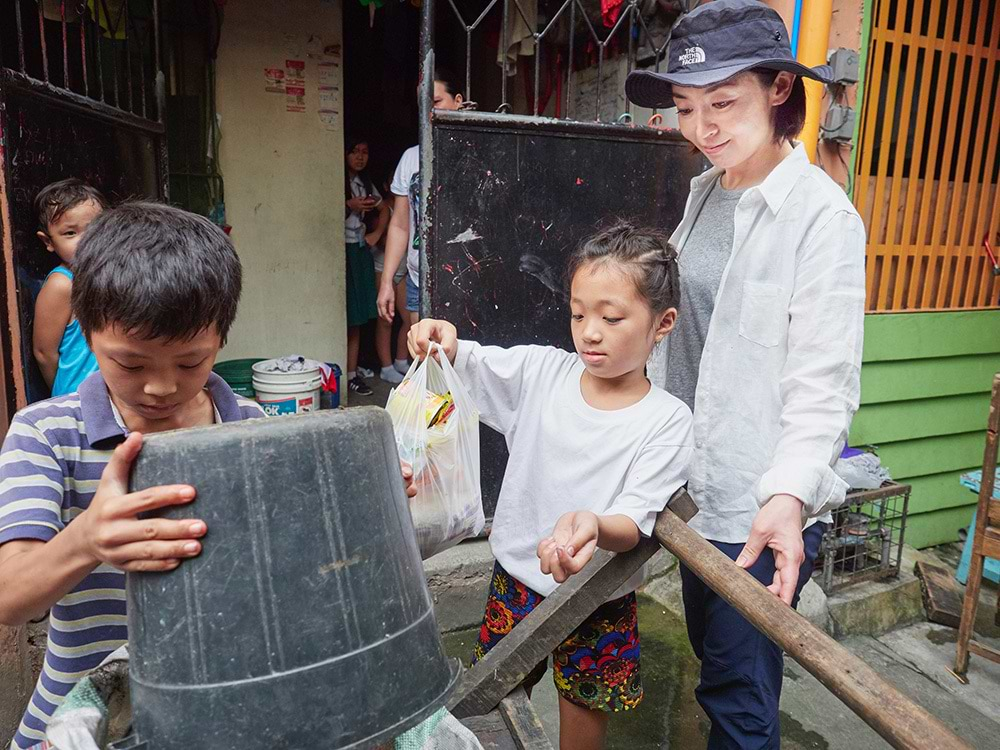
column 595, row 453
column 437, row 435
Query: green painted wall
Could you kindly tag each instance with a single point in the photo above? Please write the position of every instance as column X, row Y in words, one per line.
column 924, row 396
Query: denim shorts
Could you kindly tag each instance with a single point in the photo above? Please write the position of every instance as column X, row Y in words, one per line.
column 412, row 295
column 378, row 255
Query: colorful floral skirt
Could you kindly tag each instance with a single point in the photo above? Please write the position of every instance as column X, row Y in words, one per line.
column 597, row 667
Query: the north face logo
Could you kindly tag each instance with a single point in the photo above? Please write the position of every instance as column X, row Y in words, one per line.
column 692, row 55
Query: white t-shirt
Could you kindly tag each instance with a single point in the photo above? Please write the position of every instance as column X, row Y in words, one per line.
column 565, row 455
column 406, row 182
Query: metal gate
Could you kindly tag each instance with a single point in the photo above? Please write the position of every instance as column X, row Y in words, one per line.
column 508, row 196
column 928, row 166
column 81, row 95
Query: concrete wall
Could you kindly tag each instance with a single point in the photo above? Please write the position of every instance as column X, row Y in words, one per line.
column 15, row 678
column 924, row 402
column 284, row 181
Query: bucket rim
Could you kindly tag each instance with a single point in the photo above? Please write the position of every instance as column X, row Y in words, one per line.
column 312, row 366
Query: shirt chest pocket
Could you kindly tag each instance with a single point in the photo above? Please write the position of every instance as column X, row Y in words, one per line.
column 760, row 313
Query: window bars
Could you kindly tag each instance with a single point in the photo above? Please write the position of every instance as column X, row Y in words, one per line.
column 639, row 30
column 103, row 51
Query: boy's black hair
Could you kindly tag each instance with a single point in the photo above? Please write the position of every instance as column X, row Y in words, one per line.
column 644, row 253
column 155, row 271
column 57, row 198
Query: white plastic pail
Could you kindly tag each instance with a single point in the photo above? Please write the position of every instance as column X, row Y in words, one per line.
column 281, row 393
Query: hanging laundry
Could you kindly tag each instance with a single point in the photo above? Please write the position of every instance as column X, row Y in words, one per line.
column 610, row 10
column 53, row 10
column 522, row 20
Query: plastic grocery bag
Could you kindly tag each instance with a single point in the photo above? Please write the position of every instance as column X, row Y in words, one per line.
column 437, row 434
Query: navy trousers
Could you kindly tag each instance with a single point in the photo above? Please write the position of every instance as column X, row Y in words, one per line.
column 741, row 669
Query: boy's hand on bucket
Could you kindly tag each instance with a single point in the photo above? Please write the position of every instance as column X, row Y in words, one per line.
column 571, row 545
column 429, row 331
column 113, row 533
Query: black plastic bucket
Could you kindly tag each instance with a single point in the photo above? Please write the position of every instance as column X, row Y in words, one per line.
column 306, row 621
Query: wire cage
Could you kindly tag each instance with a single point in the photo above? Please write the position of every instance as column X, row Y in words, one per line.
column 865, row 541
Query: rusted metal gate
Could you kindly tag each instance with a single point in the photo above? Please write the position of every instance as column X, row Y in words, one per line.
column 81, row 95
column 928, row 165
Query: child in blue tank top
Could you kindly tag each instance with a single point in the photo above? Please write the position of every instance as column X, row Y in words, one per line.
column 64, row 209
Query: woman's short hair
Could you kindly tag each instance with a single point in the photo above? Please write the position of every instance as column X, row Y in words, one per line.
column 788, row 117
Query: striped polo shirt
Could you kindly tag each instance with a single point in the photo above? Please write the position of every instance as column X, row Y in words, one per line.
column 50, row 466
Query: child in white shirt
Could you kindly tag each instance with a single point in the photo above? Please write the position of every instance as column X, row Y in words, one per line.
column 595, row 453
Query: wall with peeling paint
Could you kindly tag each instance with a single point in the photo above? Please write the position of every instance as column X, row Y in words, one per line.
column 284, row 182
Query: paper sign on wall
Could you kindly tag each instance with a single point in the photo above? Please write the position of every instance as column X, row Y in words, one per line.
column 295, row 98
column 295, row 72
column 274, row 80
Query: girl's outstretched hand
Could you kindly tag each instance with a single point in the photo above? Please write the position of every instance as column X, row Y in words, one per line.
column 571, row 545
column 432, row 331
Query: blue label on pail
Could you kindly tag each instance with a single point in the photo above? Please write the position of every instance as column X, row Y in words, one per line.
column 278, row 408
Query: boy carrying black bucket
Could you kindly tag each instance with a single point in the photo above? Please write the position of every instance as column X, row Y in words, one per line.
column 155, row 291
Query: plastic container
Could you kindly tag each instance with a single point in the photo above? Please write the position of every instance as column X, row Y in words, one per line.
column 286, row 393
column 329, row 398
column 306, row 621
column 238, row 374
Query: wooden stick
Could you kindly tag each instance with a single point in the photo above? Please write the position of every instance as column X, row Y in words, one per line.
column 522, row 721
column 900, row 721
column 534, row 638
column 975, row 580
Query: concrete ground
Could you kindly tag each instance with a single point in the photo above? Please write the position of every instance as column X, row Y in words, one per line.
column 916, row 657
column 380, row 393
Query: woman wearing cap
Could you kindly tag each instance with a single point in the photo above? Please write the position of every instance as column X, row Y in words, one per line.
column 767, row 347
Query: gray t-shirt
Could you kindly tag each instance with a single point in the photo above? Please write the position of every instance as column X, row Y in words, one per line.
column 702, row 261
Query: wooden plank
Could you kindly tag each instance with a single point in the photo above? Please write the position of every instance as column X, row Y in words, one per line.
column 956, row 235
column 938, row 527
column 880, row 224
column 491, row 731
column 985, row 540
column 882, row 382
column 869, row 116
column 918, row 180
column 933, row 293
column 872, row 114
column 938, row 492
column 994, row 513
column 900, row 229
column 941, row 592
column 907, row 420
column 523, row 723
column 988, row 141
column 931, row 455
column 534, row 638
column 937, row 109
column 987, row 652
column 880, row 704
column 931, row 334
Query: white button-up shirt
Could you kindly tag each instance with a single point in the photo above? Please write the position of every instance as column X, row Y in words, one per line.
column 779, row 380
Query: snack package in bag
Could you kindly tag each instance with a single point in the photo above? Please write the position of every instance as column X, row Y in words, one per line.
column 437, row 434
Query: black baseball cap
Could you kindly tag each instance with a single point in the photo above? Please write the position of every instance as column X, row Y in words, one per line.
column 715, row 42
